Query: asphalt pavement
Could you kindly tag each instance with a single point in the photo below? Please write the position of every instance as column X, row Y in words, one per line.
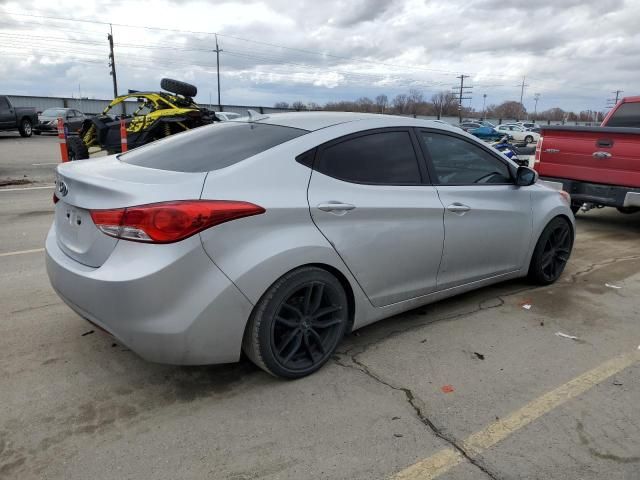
column 478, row 386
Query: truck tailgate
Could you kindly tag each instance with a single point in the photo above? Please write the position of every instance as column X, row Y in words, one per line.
column 606, row 155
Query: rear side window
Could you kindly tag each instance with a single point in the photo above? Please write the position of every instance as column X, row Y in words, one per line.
column 210, row 147
column 627, row 115
column 377, row 158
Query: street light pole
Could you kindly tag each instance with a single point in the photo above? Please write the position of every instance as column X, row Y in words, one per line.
column 484, row 101
column 536, row 97
column 217, row 50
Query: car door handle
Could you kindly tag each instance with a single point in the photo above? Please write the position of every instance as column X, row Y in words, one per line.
column 458, row 208
column 335, row 207
column 601, row 155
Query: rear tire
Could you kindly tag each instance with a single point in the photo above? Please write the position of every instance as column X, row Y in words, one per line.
column 77, row 149
column 628, row 210
column 528, row 139
column 25, row 128
column 552, row 252
column 178, row 87
column 297, row 324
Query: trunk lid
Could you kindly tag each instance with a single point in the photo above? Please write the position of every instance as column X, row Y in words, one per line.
column 108, row 183
column 605, row 155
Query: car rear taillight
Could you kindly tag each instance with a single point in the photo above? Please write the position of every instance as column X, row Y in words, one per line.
column 169, row 222
column 538, row 150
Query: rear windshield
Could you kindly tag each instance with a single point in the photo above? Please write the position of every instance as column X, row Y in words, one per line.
column 211, row 147
column 627, row 115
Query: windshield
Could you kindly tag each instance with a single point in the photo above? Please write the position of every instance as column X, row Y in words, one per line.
column 54, row 112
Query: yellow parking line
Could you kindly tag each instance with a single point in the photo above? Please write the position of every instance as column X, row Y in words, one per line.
column 478, row 442
column 21, row 252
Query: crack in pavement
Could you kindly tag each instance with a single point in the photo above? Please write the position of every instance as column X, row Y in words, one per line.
column 411, row 398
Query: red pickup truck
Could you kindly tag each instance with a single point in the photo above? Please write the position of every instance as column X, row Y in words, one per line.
column 597, row 166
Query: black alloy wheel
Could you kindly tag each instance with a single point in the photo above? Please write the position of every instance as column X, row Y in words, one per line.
column 298, row 323
column 552, row 252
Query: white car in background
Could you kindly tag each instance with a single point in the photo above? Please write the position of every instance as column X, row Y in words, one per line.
column 519, row 133
column 226, row 116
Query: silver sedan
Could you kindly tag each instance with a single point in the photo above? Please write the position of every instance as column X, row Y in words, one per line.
column 278, row 234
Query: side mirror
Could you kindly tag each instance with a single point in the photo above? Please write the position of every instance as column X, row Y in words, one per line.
column 526, row 176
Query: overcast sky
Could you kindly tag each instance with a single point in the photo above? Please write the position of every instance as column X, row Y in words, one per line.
column 573, row 52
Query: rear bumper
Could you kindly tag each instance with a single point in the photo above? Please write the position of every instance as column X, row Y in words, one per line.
column 44, row 127
column 607, row 195
column 169, row 305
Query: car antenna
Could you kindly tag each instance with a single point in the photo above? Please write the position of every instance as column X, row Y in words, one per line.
column 255, row 116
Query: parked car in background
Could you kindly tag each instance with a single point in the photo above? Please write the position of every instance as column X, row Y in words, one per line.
column 48, row 120
column 278, row 234
column 598, row 166
column 466, row 126
column 486, row 133
column 17, row 118
column 534, row 127
column 519, row 133
column 226, row 116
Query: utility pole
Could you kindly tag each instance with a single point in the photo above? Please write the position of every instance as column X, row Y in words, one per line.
column 484, row 101
column 612, row 102
column 112, row 62
column 536, row 97
column 522, row 94
column 217, row 50
column 461, row 96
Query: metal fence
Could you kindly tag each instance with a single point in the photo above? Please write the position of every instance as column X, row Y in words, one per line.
column 93, row 106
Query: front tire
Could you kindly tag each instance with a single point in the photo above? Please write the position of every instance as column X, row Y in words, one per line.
column 25, row 129
column 528, row 139
column 552, row 252
column 298, row 323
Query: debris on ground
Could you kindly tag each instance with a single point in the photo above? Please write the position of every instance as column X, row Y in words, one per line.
column 11, row 182
column 526, row 306
column 397, row 435
column 447, row 389
column 617, row 383
column 479, row 355
column 612, row 286
column 542, row 324
column 564, row 335
column 87, row 333
column 395, row 418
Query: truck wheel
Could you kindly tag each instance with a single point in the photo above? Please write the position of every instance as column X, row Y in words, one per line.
column 178, row 87
column 25, row 129
column 528, row 139
column 77, row 149
column 628, row 210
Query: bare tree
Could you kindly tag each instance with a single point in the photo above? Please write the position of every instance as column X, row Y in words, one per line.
column 382, row 102
column 298, row 105
column 400, row 103
column 281, row 105
column 444, row 103
column 510, row 110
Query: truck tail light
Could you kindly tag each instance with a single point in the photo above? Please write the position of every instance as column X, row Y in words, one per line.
column 538, row 149
column 169, row 222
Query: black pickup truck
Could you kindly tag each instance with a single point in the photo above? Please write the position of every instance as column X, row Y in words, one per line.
column 14, row 118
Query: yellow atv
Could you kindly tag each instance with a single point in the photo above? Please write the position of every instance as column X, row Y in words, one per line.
column 157, row 115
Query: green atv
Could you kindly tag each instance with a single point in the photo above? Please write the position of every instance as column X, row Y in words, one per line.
column 157, row 115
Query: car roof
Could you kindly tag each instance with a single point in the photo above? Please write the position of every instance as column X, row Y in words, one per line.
column 312, row 121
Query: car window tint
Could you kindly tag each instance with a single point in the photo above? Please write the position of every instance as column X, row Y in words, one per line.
column 627, row 115
column 4, row 103
column 378, row 158
column 458, row 162
column 211, row 147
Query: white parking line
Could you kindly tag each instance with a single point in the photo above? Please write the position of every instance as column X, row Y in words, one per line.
column 25, row 188
column 22, row 252
column 49, row 163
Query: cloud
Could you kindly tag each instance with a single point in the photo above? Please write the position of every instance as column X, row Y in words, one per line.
column 572, row 52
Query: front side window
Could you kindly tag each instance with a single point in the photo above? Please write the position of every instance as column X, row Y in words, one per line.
column 386, row 158
column 459, row 162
